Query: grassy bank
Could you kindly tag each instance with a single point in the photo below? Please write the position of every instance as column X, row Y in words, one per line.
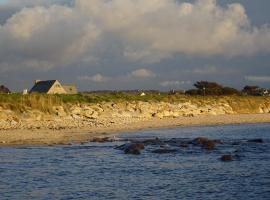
column 42, row 102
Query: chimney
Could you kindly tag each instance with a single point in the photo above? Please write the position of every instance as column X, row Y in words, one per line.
column 37, row 81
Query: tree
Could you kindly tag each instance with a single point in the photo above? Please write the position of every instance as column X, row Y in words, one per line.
column 209, row 88
column 207, row 85
column 212, row 88
column 4, row 89
column 230, row 91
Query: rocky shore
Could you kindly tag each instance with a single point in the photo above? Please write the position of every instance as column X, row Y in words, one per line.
column 81, row 122
column 110, row 114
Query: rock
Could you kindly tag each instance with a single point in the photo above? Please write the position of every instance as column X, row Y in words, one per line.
column 164, row 151
column 158, row 115
column 102, row 140
column 59, row 111
column 256, row 141
column 132, row 148
column 89, row 113
column 226, row 158
column 184, row 145
column 205, row 143
column 188, row 115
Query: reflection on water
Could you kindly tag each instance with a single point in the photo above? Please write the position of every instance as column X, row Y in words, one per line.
column 98, row 171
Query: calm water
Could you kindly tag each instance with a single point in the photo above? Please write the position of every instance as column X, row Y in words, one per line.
column 98, row 171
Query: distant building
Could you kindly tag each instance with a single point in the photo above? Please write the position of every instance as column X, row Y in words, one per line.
column 25, row 92
column 70, row 89
column 48, row 87
column 142, row 94
column 264, row 92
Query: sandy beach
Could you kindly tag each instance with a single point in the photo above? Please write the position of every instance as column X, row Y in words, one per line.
column 68, row 136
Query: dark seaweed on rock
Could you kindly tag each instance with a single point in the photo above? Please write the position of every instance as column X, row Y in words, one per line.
column 256, row 141
column 131, row 148
column 188, row 146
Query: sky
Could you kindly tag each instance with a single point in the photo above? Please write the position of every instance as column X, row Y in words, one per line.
column 134, row 44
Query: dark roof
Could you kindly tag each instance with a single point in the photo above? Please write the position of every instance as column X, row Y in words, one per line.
column 43, row 86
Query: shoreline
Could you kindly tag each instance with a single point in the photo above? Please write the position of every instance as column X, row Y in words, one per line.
column 48, row 137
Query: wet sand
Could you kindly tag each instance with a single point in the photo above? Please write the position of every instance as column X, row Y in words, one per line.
column 68, row 136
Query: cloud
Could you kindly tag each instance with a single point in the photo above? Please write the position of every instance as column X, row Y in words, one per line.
column 98, row 78
column 205, row 70
column 27, row 3
column 143, row 73
column 258, row 78
column 174, row 83
column 61, row 34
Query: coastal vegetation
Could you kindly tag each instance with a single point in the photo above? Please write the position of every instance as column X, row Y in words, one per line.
column 205, row 93
column 44, row 102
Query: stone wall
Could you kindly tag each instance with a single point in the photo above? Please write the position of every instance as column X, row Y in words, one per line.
column 106, row 114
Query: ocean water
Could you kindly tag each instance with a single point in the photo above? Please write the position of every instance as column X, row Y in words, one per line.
column 99, row 171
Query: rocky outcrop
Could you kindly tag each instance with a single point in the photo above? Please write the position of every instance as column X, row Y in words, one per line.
column 105, row 114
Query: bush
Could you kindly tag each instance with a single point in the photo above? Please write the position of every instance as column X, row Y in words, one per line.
column 211, row 89
column 230, row 91
column 193, row 92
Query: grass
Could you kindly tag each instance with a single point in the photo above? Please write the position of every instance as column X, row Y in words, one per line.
column 45, row 103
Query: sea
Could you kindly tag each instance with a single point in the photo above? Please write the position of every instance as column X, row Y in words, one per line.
column 100, row 171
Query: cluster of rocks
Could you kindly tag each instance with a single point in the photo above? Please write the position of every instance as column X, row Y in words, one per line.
column 176, row 145
column 105, row 114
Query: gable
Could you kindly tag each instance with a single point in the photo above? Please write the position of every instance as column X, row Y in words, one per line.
column 56, row 88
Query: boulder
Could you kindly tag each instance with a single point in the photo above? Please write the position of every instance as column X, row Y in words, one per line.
column 101, row 140
column 205, row 143
column 76, row 110
column 132, row 148
column 59, row 111
column 226, row 158
column 91, row 114
column 256, row 141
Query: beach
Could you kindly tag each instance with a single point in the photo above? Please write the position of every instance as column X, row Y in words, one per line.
column 79, row 135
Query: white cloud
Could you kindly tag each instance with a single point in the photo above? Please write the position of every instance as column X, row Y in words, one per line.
column 98, row 78
column 143, row 73
column 258, row 78
column 145, row 31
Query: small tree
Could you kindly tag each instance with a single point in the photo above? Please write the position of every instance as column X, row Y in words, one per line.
column 4, row 89
column 209, row 88
column 207, row 85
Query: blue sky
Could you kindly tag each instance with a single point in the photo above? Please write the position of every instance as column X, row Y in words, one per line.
column 127, row 44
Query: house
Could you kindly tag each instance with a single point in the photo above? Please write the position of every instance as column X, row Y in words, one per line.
column 264, row 92
column 48, row 87
column 70, row 89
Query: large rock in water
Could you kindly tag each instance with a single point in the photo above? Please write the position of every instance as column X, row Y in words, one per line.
column 206, row 143
column 256, row 141
column 226, row 158
column 132, row 148
column 102, row 140
column 4, row 89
